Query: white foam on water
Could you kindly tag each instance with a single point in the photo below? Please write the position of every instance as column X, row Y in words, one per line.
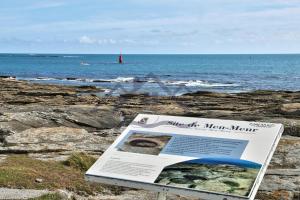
column 187, row 83
column 106, row 91
column 85, row 64
column 46, row 78
column 200, row 83
column 122, row 79
column 71, row 56
column 37, row 79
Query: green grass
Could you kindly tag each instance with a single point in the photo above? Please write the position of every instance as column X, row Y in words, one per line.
column 81, row 161
column 53, row 196
column 22, row 171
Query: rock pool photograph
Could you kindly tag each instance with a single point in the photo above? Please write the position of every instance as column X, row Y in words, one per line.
column 144, row 143
column 221, row 175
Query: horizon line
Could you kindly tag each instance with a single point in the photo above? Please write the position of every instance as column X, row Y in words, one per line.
column 40, row 53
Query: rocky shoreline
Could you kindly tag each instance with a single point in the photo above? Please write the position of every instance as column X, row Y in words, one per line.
column 50, row 122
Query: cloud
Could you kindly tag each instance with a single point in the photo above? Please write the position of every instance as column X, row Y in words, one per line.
column 153, row 26
column 127, row 41
column 288, row 12
column 87, row 40
column 112, row 25
column 106, row 41
column 94, row 41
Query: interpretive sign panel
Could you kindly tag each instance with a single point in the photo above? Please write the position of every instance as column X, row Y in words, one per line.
column 207, row 158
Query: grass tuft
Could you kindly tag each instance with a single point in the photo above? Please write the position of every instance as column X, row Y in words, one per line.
column 54, row 196
column 80, row 161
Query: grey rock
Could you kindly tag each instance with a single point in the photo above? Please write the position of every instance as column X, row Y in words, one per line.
column 7, row 194
column 39, row 180
column 90, row 118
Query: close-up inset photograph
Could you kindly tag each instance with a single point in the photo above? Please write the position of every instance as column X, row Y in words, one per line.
column 145, row 143
column 232, row 176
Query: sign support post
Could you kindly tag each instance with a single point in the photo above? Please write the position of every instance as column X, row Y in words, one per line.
column 162, row 196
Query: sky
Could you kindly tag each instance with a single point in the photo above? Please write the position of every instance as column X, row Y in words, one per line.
column 148, row 26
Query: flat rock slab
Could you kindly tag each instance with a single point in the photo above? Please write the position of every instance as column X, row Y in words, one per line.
column 7, row 194
column 56, row 139
column 88, row 117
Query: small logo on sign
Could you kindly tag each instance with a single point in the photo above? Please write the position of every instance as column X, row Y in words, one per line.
column 261, row 125
column 143, row 120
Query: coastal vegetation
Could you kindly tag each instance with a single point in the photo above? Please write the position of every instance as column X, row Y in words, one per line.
column 21, row 171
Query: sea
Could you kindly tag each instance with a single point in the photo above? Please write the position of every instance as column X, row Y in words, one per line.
column 170, row 75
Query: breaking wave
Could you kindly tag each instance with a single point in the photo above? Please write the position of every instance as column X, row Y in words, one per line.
column 116, row 80
column 200, row 83
column 187, row 83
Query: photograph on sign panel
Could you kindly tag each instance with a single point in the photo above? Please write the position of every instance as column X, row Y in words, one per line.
column 144, row 143
column 222, row 175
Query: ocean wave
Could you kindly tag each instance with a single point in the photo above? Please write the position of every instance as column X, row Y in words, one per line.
column 85, row 64
column 117, row 80
column 43, row 55
column 75, row 79
column 124, row 79
column 71, row 56
column 38, row 79
column 45, row 79
column 106, row 90
column 187, row 83
column 7, row 77
column 200, row 83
